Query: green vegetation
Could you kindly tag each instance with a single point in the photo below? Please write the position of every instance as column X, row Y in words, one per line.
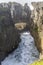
column 38, row 62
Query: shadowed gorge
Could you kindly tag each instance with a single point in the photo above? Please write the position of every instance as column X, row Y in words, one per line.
column 16, row 24
column 14, row 19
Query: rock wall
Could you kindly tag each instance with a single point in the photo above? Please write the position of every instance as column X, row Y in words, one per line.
column 14, row 19
column 19, row 13
column 9, row 36
column 38, row 20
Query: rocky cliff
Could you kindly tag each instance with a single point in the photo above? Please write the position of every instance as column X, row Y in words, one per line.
column 38, row 20
column 9, row 36
column 19, row 13
column 14, row 18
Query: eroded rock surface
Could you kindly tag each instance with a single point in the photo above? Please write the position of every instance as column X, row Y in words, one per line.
column 38, row 20
column 9, row 36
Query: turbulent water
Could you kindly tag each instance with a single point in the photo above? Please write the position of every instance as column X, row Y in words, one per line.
column 25, row 54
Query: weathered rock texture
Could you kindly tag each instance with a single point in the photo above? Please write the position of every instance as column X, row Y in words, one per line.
column 9, row 36
column 19, row 13
column 38, row 20
column 14, row 18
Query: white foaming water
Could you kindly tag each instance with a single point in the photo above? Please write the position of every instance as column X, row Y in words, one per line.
column 25, row 54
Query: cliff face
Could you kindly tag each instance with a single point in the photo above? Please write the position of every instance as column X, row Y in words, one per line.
column 14, row 18
column 38, row 20
column 9, row 36
column 19, row 13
